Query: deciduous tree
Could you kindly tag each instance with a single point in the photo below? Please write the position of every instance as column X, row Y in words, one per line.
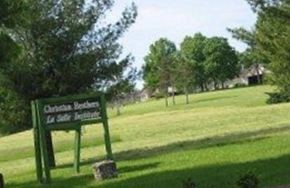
column 192, row 50
column 157, row 71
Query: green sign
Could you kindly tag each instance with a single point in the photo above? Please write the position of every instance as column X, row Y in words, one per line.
column 71, row 112
column 66, row 113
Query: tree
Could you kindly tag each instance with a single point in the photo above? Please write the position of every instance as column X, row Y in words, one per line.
column 192, row 50
column 157, row 71
column 185, row 74
column 273, row 41
column 66, row 49
column 252, row 56
column 122, row 84
column 221, row 62
column 12, row 13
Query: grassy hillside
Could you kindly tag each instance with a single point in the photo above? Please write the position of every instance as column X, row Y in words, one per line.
column 215, row 139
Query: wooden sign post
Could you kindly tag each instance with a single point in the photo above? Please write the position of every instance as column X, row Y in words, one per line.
column 1, row 181
column 63, row 114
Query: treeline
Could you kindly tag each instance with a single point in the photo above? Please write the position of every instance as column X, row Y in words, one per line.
column 57, row 48
column 198, row 64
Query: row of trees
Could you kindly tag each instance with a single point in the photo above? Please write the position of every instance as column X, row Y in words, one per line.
column 199, row 62
column 55, row 48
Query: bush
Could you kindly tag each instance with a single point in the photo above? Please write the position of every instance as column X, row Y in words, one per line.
column 14, row 113
column 249, row 180
column 239, row 85
column 275, row 98
column 189, row 183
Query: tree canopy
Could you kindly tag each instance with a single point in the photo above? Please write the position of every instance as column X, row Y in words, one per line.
column 66, row 48
column 270, row 41
column 201, row 61
column 159, row 66
column 221, row 62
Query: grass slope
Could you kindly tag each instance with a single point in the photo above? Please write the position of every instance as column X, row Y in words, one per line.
column 215, row 139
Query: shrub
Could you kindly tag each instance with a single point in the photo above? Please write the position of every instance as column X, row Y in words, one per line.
column 14, row 112
column 275, row 98
column 239, row 85
column 249, row 180
column 189, row 183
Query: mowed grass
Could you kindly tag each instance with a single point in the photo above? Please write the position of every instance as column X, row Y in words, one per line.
column 214, row 140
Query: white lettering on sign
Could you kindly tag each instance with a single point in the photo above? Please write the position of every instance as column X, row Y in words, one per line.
column 56, row 109
column 86, row 115
column 50, row 119
column 50, row 109
column 85, row 105
column 72, row 111
column 63, row 118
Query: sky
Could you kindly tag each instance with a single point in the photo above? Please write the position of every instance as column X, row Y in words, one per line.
column 176, row 19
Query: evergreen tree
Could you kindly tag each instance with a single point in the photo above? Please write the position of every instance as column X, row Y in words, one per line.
column 66, row 48
column 273, row 42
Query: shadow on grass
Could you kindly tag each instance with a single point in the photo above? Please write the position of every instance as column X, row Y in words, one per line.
column 236, row 138
column 135, row 168
column 214, row 98
column 208, row 142
column 274, row 171
column 83, row 180
column 75, row 181
column 271, row 172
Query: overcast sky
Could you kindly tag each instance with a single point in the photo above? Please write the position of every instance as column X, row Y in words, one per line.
column 175, row 19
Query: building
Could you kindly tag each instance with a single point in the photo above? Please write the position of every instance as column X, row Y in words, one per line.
column 249, row 76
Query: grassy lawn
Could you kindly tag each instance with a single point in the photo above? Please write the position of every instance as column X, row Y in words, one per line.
column 214, row 140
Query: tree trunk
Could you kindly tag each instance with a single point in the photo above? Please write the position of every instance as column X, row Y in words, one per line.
column 186, row 95
column 205, row 86
column 173, row 96
column 1, row 181
column 118, row 110
column 118, row 107
column 215, row 85
column 201, row 87
column 258, row 74
column 166, row 97
column 50, row 151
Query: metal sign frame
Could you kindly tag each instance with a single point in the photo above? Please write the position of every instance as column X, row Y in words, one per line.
column 41, row 129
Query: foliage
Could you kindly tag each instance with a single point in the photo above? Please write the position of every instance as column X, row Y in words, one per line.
column 252, row 56
column 159, row 66
column 184, row 74
column 273, row 38
column 123, row 83
column 238, row 85
column 200, row 62
column 192, row 50
column 12, row 13
column 13, row 111
column 278, row 97
column 221, row 61
column 271, row 42
column 66, row 49
column 189, row 183
column 248, row 180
